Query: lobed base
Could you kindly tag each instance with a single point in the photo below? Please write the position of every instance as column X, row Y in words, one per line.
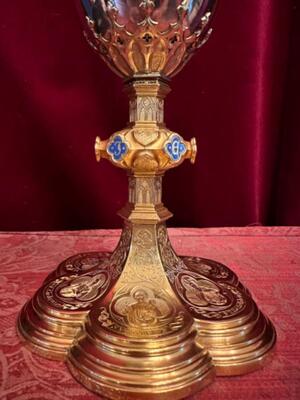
column 143, row 323
column 119, row 367
column 236, row 333
column 237, row 336
column 51, row 320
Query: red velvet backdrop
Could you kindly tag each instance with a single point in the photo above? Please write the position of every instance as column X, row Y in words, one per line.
column 239, row 96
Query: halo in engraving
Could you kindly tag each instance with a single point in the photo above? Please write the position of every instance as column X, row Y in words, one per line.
column 141, row 311
column 201, row 292
column 206, row 298
column 83, row 288
column 142, row 308
column 73, row 292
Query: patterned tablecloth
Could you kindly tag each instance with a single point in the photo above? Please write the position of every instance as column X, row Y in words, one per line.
column 266, row 259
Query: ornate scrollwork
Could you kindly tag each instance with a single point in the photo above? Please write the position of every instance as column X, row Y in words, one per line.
column 142, row 258
column 119, row 256
column 171, row 262
column 209, row 268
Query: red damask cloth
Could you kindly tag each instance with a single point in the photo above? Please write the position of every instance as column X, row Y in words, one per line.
column 266, row 259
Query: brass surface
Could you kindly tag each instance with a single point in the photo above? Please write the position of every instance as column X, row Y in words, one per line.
column 229, row 324
column 139, row 340
column 143, row 323
column 53, row 317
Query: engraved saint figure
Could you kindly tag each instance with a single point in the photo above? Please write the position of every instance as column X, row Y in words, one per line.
column 84, row 288
column 144, row 312
column 201, row 292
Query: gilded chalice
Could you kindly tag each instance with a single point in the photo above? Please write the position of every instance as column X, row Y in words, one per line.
column 142, row 322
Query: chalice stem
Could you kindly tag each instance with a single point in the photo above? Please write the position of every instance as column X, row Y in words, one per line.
column 141, row 326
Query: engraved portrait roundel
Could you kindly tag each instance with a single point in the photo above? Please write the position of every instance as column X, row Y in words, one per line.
column 76, row 292
column 142, row 311
column 208, row 299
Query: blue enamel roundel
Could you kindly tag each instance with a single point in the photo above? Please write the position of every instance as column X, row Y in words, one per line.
column 175, row 147
column 117, row 148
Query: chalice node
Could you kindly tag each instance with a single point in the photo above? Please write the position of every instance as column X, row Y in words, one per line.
column 142, row 322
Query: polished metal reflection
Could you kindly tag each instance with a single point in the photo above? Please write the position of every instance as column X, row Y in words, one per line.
column 142, row 37
column 143, row 323
column 130, row 12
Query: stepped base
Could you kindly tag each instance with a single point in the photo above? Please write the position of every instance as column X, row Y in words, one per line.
column 119, row 360
column 237, row 335
column 49, row 322
column 237, row 346
column 230, row 327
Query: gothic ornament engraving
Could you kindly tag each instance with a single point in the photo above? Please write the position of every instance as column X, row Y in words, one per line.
column 143, row 44
column 143, row 258
column 148, row 190
column 119, row 256
column 172, row 263
column 147, row 109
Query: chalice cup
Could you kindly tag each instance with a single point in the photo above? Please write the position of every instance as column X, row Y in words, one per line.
column 142, row 322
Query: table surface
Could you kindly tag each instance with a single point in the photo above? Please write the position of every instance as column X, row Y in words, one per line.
column 267, row 260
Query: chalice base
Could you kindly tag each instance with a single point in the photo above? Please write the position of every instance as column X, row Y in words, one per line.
column 124, row 367
column 49, row 322
column 239, row 338
column 236, row 345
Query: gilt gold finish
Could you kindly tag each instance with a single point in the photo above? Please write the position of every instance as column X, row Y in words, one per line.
column 147, row 46
column 143, row 323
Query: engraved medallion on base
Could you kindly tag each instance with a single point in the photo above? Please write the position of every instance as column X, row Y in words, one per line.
column 52, row 318
column 229, row 324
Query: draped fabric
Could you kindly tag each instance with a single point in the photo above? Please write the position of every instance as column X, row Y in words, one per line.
column 273, row 278
column 239, row 96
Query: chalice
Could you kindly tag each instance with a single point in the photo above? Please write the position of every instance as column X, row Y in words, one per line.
column 142, row 322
